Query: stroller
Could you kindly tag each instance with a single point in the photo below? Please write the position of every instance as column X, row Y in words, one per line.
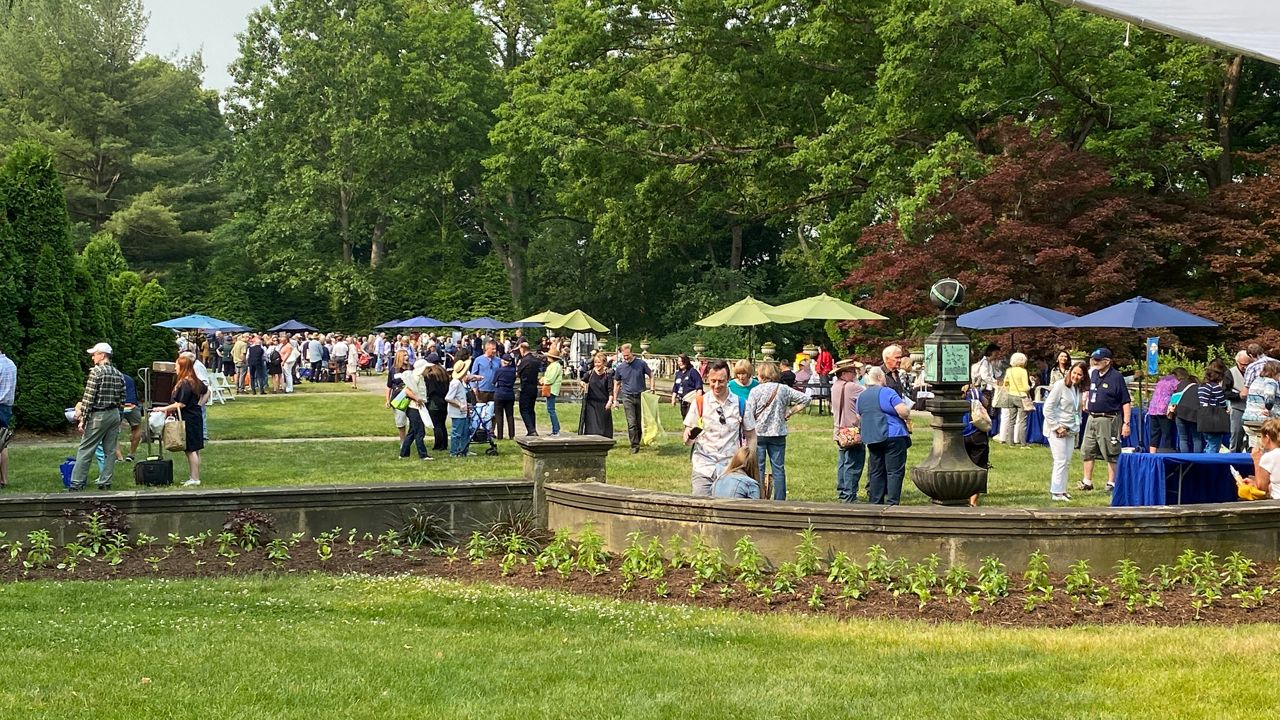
column 482, row 426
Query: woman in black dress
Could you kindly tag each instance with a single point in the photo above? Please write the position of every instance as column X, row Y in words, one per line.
column 437, row 384
column 597, row 416
column 187, row 391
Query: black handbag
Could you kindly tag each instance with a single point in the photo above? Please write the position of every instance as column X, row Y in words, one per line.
column 1213, row 420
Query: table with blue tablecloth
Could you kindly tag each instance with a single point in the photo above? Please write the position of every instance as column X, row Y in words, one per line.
column 1177, row 478
column 1139, row 428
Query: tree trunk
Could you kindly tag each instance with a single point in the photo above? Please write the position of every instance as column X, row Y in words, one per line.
column 378, row 248
column 504, row 236
column 344, row 223
column 735, row 252
column 1226, row 107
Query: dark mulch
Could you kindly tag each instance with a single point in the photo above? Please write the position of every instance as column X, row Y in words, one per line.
column 879, row 603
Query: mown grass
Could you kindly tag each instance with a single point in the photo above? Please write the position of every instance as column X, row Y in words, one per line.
column 1020, row 477
column 355, row 647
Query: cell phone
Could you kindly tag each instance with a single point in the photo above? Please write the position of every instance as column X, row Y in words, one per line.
column 694, row 432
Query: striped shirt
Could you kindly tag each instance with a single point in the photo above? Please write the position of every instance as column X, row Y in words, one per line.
column 1212, row 395
column 8, row 380
column 104, row 390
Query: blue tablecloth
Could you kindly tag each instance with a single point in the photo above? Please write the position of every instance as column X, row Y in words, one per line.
column 1139, row 429
column 1154, row 479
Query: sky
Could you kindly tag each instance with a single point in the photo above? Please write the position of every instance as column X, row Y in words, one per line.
column 182, row 27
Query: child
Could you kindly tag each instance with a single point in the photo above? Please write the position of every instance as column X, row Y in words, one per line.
column 1266, row 465
column 739, row 479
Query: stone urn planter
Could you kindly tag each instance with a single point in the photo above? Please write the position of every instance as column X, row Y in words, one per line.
column 768, row 349
column 811, row 351
column 600, row 344
column 644, row 346
column 699, row 347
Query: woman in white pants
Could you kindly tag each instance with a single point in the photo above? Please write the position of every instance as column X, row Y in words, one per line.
column 289, row 357
column 1062, row 422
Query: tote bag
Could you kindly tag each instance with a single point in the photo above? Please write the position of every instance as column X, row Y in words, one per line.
column 174, row 435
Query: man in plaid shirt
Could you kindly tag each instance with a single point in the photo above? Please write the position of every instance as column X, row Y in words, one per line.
column 98, row 413
column 8, row 388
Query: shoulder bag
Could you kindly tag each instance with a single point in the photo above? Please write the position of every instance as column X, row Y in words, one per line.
column 847, row 436
column 1213, row 419
column 978, row 415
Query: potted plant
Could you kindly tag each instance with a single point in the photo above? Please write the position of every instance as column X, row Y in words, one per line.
column 600, row 343
column 768, row 349
column 811, row 350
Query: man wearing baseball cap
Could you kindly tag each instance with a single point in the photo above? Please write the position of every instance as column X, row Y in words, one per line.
column 1108, row 406
column 98, row 417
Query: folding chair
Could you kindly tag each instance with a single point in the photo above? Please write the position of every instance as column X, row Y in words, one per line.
column 219, row 388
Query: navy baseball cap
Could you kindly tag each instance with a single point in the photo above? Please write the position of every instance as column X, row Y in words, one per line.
column 1101, row 354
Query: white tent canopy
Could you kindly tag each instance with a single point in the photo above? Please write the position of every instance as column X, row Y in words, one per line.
column 1248, row 27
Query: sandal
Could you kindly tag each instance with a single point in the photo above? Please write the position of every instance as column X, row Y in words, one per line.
column 1085, row 486
column 1111, row 487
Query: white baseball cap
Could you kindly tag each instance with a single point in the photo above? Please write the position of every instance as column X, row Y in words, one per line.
column 99, row 348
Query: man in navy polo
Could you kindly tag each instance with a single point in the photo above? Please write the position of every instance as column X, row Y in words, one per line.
column 1108, row 406
column 631, row 379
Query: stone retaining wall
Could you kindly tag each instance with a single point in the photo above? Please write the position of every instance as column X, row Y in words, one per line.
column 464, row 505
column 1103, row 536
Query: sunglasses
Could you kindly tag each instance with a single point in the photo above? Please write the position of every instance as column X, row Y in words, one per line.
column 720, row 414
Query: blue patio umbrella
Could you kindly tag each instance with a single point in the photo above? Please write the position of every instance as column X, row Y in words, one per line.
column 484, row 323
column 420, row 322
column 1136, row 314
column 1013, row 314
column 1139, row 313
column 292, row 326
column 387, row 325
column 200, row 322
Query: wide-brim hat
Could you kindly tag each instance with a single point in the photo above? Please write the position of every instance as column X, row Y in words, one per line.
column 459, row 369
column 845, row 364
column 552, row 354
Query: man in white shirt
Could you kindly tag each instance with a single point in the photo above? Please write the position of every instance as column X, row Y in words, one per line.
column 714, row 426
column 982, row 374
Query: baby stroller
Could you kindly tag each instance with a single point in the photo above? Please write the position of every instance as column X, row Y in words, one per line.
column 482, row 426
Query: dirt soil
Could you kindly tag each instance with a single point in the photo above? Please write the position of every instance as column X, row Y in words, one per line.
column 879, row 603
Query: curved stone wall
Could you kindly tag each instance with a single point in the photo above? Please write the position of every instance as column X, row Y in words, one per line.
column 1103, row 536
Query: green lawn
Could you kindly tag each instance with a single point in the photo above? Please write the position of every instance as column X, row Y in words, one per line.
column 407, row 647
column 1020, row 477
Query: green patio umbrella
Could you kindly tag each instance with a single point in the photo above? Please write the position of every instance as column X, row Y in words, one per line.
column 748, row 312
column 578, row 321
column 825, row 307
column 544, row 317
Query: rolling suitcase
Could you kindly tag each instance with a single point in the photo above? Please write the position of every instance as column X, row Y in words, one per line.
column 156, row 470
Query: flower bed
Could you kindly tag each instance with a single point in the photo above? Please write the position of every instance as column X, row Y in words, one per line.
column 1198, row 587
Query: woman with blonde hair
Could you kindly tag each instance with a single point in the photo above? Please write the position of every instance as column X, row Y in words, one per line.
column 742, row 381
column 1013, row 415
column 185, row 401
column 769, row 405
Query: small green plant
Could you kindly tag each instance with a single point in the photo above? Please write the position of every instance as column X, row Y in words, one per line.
column 848, row 575
column 786, row 578
column 815, row 598
column 923, row 578
column 748, row 561
column 878, row 565
column 957, row 581
column 517, row 547
column 808, row 555
column 479, row 547
column 993, row 582
column 324, row 544
column 974, row 601
column 113, row 552
column 278, row 551
column 1237, row 569
column 708, row 562
column 694, row 589
column 591, row 555
column 1128, row 584
column 676, row 553
column 40, row 552
column 389, row 543
column 641, row 560
column 557, row 555
column 1251, row 598
column 227, row 543
column 726, row 592
column 660, row 589
column 1082, row 587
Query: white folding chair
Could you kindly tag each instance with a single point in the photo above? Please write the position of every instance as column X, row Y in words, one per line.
column 219, row 389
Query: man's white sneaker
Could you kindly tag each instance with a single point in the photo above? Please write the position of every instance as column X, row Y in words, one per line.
column 192, row 482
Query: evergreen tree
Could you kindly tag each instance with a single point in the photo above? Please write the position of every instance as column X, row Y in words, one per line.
column 49, row 374
column 144, row 343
